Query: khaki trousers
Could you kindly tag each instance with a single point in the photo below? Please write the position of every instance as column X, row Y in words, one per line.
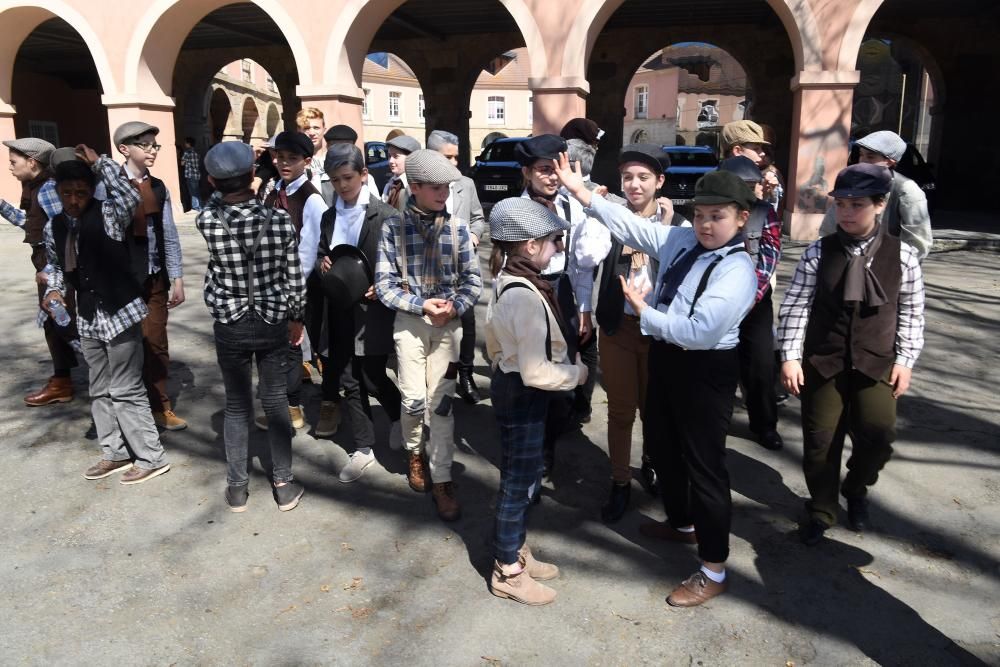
column 624, row 362
column 427, row 369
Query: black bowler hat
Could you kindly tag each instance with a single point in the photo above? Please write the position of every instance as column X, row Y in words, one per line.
column 340, row 133
column 723, row 187
column 542, row 147
column 296, row 142
column 651, row 155
column 349, row 277
column 862, row 180
column 743, row 167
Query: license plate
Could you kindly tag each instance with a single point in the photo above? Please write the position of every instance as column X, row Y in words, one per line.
column 680, row 202
column 500, row 188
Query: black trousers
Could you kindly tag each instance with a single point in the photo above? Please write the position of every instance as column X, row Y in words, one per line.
column 583, row 394
column 689, row 403
column 467, row 348
column 57, row 338
column 756, row 353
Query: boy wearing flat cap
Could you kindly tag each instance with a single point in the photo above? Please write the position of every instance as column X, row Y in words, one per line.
column 905, row 215
column 428, row 272
column 29, row 164
column 396, row 192
column 256, row 293
column 851, row 329
column 705, row 286
column 163, row 288
column 295, row 194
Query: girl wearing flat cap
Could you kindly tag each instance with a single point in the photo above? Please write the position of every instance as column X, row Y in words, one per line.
column 851, row 329
column 704, row 287
column 526, row 341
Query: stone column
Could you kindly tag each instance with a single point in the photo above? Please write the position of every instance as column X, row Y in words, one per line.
column 555, row 101
column 821, row 122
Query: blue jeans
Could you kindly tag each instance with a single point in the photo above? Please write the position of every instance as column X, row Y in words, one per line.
column 236, row 344
column 520, row 412
column 194, row 189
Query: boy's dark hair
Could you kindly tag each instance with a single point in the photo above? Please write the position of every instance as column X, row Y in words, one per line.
column 189, row 141
column 233, row 184
column 75, row 170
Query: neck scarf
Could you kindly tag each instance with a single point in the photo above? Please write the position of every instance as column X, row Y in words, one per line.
column 860, row 283
column 148, row 205
column 430, row 226
column 678, row 271
column 639, row 258
column 395, row 192
column 547, row 202
column 522, row 267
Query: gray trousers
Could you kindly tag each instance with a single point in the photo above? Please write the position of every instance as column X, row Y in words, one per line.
column 119, row 402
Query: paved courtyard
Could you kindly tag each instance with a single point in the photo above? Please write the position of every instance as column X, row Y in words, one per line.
column 364, row 573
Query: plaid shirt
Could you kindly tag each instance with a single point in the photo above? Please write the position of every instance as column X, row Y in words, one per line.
column 48, row 199
column 770, row 253
column 279, row 288
column 461, row 284
column 117, row 210
column 191, row 163
column 795, row 309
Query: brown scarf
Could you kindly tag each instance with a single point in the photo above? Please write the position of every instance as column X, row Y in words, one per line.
column 638, row 258
column 35, row 218
column 430, row 226
column 547, row 202
column 148, row 205
column 395, row 192
column 522, row 267
column 860, row 283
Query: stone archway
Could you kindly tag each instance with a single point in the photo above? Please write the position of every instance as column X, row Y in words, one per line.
column 220, row 112
column 249, row 116
column 273, row 120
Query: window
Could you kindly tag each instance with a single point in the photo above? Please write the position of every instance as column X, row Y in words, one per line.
column 708, row 114
column 366, row 104
column 395, row 97
column 246, row 66
column 44, row 129
column 420, row 108
column 641, row 106
column 639, row 137
column 271, row 87
column 496, row 111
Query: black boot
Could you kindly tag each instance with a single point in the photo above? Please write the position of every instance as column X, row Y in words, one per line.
column 467, row 388
column 648, row 477
column 857, row 514
column 617, row 502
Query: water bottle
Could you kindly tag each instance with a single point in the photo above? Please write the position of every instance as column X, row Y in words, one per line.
column 59, row 312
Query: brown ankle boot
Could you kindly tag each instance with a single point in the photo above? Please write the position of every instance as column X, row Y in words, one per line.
column 538, row 570
column 56, row 390
column 416, row 475
column 514, row 583
column 444, row 499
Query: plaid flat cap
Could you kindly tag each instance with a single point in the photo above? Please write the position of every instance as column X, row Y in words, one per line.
column 743, row 132
column 405, row 144
column 427, row 166
column 131, row 130
column 521, row 219
column 37, row 149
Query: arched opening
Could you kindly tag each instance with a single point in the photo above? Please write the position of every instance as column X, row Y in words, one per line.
column 393, row 98
column 56, row 89
column 249, row 121
column 501, row 101
column 220, row 113
column 273, row 118
column 491, row 137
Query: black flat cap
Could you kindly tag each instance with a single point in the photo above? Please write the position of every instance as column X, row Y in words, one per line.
column 340, row 133
column 542, row 147
column 582, row 128
column 862, row 180
column 723, row 187
column 743, row 167
column 651, row 155
column 296, row 142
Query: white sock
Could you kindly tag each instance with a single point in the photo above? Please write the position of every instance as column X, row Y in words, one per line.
column 689, row 529
column 717, row 577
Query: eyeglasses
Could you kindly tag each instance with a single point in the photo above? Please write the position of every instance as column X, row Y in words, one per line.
column 148, row 147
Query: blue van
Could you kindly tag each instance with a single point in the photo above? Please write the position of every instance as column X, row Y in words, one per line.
column 687, row 165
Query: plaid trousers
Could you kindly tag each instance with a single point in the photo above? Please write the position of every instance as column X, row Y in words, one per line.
column 520, row 412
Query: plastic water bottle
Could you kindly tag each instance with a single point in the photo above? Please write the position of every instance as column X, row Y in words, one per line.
column 59, row 312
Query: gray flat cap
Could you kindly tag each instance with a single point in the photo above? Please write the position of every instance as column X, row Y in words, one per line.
column 38, row 149
column 427, row 166
column 131, row 130
column 405, row 144
column 60, row 155
column 521, row 219
column 229, row 159
column 884, row 143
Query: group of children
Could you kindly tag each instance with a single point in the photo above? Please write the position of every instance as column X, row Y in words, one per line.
column 317, row 266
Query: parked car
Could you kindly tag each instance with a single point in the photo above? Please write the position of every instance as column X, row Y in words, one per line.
column 377, row 161
column 497, row 172
column 687, row 165
column 912, row 166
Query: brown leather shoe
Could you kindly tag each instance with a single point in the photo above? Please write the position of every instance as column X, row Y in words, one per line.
column 661, row 530
column 538, row 570
column 104, row 468
column 514, row 583
column 169, row 421
column 417, row 476
column 695, row 590
column 444, row 499
column 56, row 390
column 140, row 475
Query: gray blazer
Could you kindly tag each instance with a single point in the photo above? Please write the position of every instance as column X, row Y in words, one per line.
column 466, row 206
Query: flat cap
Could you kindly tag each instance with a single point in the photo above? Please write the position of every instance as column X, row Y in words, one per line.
column 229, row 159
column 582, row 128
column 521, row 219
column 743, row 132
column 884, row 142
column 60, row 155
column 340, row 133
column 404, row 143
column 37, row 149
column 542, row 147
column 131, row 130
column 862, row 180
column 743, row 167
column 651, row 155
column 296, row 142
column 427, row 166
column 723, row 187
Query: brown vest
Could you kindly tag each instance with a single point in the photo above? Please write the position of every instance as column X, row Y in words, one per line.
column 296, row 202
column 841, row 336
column 34, row 216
